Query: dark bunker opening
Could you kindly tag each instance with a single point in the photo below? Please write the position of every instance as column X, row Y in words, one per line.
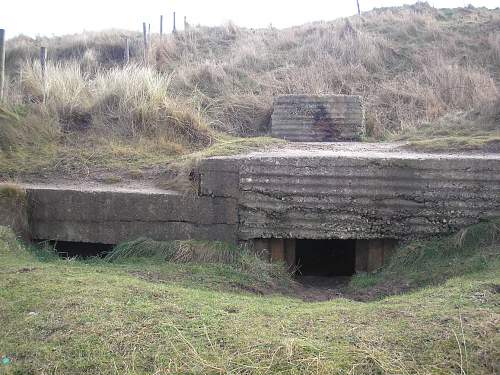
column 326, row 258
column 68, row 249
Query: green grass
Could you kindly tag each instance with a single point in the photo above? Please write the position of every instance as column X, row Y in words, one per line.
column 69, row 155
column 453, row 144
column 471, row 250
column 124, row 158
column 452, row 139
column 463, row 131
column 226, row 146
column 145, row 316
column 110, row 180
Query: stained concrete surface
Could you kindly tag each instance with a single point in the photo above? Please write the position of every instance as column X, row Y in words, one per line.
column 318, row 118
column 362, row 190
column 111, row 216
column 297, row 191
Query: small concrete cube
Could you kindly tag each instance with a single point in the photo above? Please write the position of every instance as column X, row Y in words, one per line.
column 318, row 118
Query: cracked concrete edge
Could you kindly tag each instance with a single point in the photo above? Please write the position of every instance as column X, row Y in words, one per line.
column 219, row 178
column 115, row 216
column 323, row 198
column 114, row 232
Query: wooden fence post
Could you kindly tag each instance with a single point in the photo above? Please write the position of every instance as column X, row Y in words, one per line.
column 126, row 55
column 145, row 35
column 161, row 26
column 186, row 25
column 359, row 11
column 43, row 67
column 174, row 30
column 2, row 62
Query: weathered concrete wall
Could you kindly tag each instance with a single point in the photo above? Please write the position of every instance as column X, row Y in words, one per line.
column 219, row 177
column 311, row 191
column 111, row 217
column 342, row 194
column 14, row 210
column 318, row 118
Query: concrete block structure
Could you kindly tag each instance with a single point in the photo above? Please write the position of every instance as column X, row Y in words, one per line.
column 331, row 208
column 361, row 197
column 318, row 118
column 112, row 216
column 364, row 192
column 325, row 204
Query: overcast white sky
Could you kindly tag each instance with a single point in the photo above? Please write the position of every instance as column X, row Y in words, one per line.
column 55, row 17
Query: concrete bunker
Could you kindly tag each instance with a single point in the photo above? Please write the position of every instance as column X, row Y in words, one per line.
column 284, row 198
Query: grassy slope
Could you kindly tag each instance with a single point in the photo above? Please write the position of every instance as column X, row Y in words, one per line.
column 75, row 317
column 414, row 65
column 475, row 130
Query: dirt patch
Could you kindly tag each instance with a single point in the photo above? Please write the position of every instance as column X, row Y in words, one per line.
column 26, row 269
column 385, row 289
column 318, row 288
column 261, row 290
column 75, row 120
column 306, row 288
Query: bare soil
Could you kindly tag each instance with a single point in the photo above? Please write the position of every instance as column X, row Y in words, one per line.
column 306, row 288
column 318, row 288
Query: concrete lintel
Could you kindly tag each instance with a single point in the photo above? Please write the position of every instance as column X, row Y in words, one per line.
column 113, row 232
column 113, row 216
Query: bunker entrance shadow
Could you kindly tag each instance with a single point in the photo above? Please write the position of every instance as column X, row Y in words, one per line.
column 325, row 258
column 68, row 249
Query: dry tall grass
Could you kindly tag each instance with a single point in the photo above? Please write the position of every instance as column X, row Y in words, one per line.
column 127, row 101
column 412, row 65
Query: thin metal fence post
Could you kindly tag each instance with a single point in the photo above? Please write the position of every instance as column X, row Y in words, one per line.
column 2, row 62
column 145, row 35
column 43, row 67
column 126, row 55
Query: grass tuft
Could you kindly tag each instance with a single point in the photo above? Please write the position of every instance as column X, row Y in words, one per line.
column 473, row 249
column 203, row 252
column 176, row 251
column 112, row 180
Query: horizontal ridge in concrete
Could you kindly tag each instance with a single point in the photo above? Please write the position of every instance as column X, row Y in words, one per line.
column 112, row 216
column 363, row 191
column 318, row 118
column 301, row 190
